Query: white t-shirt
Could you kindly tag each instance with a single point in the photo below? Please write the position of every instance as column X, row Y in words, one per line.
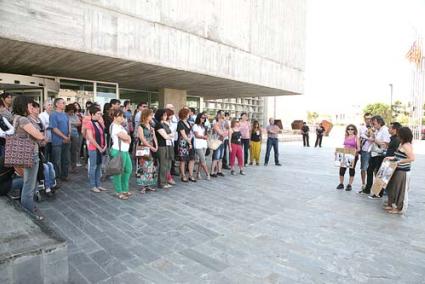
column 199, row 143
column 114, row 135
column 44, row 117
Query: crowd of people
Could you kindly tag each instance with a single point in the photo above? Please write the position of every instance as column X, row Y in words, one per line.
column 374, row 142
column 150, row 143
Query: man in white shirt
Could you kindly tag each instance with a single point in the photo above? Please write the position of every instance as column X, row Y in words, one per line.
column 173, row 127
column 365, row 133
column 44, row 118
column 379, row 140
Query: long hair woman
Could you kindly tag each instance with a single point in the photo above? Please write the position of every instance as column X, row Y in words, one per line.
column 351, row 141
column 146, row 170
column 399, row 184
column 25, row 127
column 165, row 147
column 200, row 143
column 186, row 153
column 255, row 143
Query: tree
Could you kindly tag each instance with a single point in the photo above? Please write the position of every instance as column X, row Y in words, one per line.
column 381, row 109
column 312, row 116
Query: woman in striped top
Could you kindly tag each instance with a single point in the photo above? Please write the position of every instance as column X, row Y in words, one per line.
column 398, row 186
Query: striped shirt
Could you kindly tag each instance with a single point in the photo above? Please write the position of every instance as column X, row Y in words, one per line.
column 399, row 155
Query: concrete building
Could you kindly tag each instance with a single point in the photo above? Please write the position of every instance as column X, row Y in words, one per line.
column 155, row 50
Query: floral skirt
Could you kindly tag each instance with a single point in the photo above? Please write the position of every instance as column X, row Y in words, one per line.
column 184, row 153
column 146, row 174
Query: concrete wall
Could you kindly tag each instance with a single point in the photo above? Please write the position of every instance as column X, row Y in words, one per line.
column 261, row 42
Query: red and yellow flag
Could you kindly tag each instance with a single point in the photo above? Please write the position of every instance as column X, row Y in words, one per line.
column 414, row 54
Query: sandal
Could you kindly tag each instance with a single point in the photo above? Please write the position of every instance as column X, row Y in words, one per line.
column 184, row 179
column 388, row 208
column 192, row 179
column 128, row 193
column 395, row 211
column 143, row 190
column 122, row 196
column 95, row 189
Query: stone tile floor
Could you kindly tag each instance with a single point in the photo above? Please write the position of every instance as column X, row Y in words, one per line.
column 275, row 225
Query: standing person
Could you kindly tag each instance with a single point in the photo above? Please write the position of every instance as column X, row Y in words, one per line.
column 219, row 131
column 25, row 127
column 96, row 147
column 255, row 143
column 173, row 126
column 305, row 133
column 165, row 147
column 192, row 116
column 319, row 136
column 137, row 117
column 366, row 132
column 61, row 139
column 235, row 147
column 226, row 142
column 380, row 140
column 200, row 143
column 146, row 171
column 186, row 153
column 120, row 146
column 6, row 128
column 79, row 114
column 394, row 139
column 244, row 129
column 351, row 141
column 272, row 141
column 44, row 117
column 128, row 124
column 107, row 119
column 75, row 123
column 6, row 110
column 399, row 185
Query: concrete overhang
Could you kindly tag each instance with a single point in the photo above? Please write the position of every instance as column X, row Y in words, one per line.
column 28, row 58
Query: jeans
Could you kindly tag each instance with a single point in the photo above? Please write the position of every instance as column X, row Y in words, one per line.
column 121, row 181
column 49, row 175
column 318, row 141
column 245, row 144
column 30, row 183
column 95, row 169
column 306, row 140
column 218, row 153
column 75, row 150
column 60, row 156
column 272, row 142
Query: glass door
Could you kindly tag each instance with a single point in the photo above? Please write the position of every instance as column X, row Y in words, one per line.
column 35, row 94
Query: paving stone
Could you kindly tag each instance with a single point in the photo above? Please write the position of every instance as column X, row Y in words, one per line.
column 275, row 225
column 87, row 267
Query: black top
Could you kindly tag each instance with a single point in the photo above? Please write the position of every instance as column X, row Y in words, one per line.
column 182, row 126
column 392, row 146
column 236, row 138
column 161, row 141
column 305, row 129
column 319, row 131
column 256, row 137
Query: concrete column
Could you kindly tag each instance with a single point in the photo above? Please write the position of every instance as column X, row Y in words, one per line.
column 172, row 96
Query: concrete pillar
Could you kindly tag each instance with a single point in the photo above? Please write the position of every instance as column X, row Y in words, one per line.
column 172, row 96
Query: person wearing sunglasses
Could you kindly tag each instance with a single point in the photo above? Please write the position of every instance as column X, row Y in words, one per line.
column 351, row 141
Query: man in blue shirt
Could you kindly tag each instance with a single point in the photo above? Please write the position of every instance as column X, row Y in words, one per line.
column 61, row 137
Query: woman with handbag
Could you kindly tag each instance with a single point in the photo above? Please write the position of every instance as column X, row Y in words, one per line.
column 255, row 143
column 120, row 146
column 200, row 143
column 235, row 147
column 29, row 136
column 96, row 146
column 351, row 141
column 186, row 153
column 165, row 147
column 146, row 170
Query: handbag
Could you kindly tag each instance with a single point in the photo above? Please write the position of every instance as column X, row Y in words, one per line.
column 115, row 164
column 19, row 151
column 214, row 143
column 143, row 151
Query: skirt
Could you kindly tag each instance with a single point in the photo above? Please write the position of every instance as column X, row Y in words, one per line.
column 146, row 173
column 398, row 190
column 184, row 153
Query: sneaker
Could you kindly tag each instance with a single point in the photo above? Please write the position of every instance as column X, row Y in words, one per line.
column 79, row 165
column 208, row 177
column 171, row 181
column 213, row 175
column 225, row 167
column 167, row 186
column 95, row 189
column 38, row 215
column 102, row 188
column 374, row 197
column 198, row 176
column 348, row 187
column 250, row 163
column 340, row 186
column 232, row 172
column 242, row 172
column 278, row 164
column 220, row 174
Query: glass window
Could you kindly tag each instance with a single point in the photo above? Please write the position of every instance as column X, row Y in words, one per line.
column 105, row 92
column 193, row 102
column 154, row 100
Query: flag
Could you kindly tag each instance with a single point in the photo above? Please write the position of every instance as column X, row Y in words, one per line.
column 414, row 54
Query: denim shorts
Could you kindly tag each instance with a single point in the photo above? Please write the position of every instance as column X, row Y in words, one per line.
column 364, row 160
column 219, row 153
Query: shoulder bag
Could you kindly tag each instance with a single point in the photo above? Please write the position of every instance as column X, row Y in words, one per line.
column 19, row 152
column 115, row 164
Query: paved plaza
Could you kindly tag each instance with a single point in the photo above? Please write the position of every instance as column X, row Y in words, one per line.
column 275, row 225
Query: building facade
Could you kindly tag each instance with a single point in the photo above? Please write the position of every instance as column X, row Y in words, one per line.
column 157, row 50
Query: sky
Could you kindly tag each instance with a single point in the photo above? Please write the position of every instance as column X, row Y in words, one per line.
column 354, row 50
